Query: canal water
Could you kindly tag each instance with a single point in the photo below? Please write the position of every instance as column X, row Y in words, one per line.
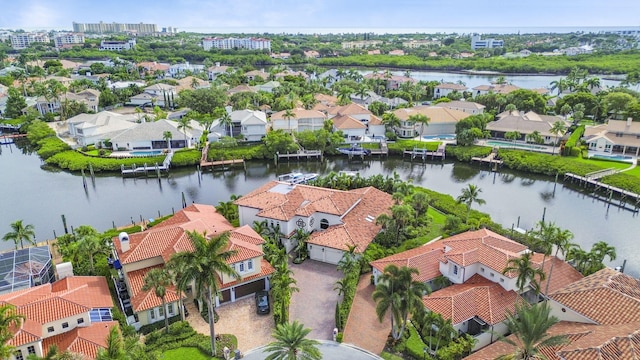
column 40, row 195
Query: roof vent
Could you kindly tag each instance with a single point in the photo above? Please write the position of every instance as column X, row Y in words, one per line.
column 370, row 218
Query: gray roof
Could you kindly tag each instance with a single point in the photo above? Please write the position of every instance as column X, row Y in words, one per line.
column 525, row 123
column 249, row 117
column 151, row 131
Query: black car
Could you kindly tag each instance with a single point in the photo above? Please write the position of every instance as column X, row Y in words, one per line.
column 262, row 303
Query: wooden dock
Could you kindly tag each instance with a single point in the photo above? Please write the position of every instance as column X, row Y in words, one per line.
column 146, row 170
column 424, row 154
column 300, row 154
column 383, row 150
column 624, row 195
column 490, row 159
column 221, row 164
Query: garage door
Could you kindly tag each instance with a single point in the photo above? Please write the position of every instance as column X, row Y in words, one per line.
column 332, row 256
column 250, row 288
column 316, row 253
column 225, row 296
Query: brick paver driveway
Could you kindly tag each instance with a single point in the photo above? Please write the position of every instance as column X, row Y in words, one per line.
column 314, row 305
column 363, row 328
column 240, row 319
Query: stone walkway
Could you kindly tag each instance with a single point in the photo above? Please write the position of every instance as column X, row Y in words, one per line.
column 238, row 318
column 363, row 328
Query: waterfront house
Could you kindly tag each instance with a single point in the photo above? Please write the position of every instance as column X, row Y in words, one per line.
column 354, row 130
column 444, row 89
column 469, row 107
column 616, row 136
column 25, row 268
column 336, row 219
column 216, row 70
column 442, row 120
column 525, row 124
column 136, row 254
column 392, row 82
column 151, row 136
column 89, row 129
column 373, row 123
column 302, row 120
column 252, row 124
column 481, row 295
column 371, row 97
column 73, row 313
column 152, row 68
column 89, row 97
column 599, row 314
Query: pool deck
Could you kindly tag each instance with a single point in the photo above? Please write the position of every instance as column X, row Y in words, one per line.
column 128, row 154
column 519, row 145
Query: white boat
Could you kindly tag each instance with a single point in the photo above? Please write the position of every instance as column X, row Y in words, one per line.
column 297, row 178
column 354, row 150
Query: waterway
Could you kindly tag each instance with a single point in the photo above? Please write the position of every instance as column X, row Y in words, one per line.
column 40, row 195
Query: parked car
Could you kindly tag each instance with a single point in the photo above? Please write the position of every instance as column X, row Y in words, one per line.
column 262, row 303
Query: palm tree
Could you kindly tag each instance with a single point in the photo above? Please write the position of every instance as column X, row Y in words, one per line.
column 557, row 128
column 115, row 349
column 562, row 242
column 292, row 343
column 529, row 325
column 391, row 121
column 20, row 233
column 602, row 250
column 535, row 137
column 527, row 272
column 89, row 247
column 203, row 266
column 184, row 124
column 513, row 136
column 167, row 136
column 225, row 120
column 400, row 295
column 288, row 115
column 283, row 286
column 470, row 195
column 510, row 108
column 301, row 236
column 420, row 119
column 561, row 85
column 9, row 319
column 158, row 280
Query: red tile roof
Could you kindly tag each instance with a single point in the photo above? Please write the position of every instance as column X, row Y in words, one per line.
column 145, row 300
column 82, row 340
column 477, row 297
column 423, row 258
column 594, row 295
column 265, row 270
column 345, row 122
column 350, row 109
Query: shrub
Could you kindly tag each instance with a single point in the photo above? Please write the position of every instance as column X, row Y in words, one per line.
column 398, row 147
column 339, row 337
column 146, row 329
column 414, row 345
column 573, row 141
column 76, row 161
column 465, row 153
column 544, row 164
column 51, row 146
column 186, row 157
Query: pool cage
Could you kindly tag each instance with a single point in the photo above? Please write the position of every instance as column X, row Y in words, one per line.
column 24, row 268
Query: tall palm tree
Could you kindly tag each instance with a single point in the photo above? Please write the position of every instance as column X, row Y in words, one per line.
column 400, row 295
column 292, row 343
column 470, row 195
column 20, row 233
column 184, row 124
column 203, row 266
column 283, row 287
column 288, row 115
column 9, row 319
column 167, row 136
column 225, row 120
column 529, row 325
column 301, row 236
column 420, row 119
column 115, row 349
column 91, row 246
column 158, row 280
column 510, row 108
column 601, row 249
column 557, row 128
column 391, row 121
column 527, row 272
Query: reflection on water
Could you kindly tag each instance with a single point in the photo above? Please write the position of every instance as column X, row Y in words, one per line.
column 39, row 196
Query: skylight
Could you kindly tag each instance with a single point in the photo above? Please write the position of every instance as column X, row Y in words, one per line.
column 370, row 218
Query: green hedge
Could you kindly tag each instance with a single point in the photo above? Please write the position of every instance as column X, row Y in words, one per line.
column 623, row 181
column 349, row 293
column 414, row 345
column 181, row 334
column 396, row 148
column 76, row 161
column 186, row 157
column 465, row 153
column 538, row 163
column 247, row 152
column 573, row 141
column 146, row 329
column 50, row 146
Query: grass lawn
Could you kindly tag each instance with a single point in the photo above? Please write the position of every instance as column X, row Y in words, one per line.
column 605, row 164
column 185, row 353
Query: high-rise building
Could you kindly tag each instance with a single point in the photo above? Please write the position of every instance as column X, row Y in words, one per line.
column 23, row 40
column 62, row 40
column 233, row 43
column 478, row 43
column 105, row 28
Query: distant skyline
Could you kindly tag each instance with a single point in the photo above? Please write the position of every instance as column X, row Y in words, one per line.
column 324, row 16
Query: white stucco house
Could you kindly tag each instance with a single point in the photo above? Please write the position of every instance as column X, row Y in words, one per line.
column 89, row 129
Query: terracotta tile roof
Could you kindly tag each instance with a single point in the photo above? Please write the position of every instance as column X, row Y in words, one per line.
column 563, row 273
column 145, row 300
column 344, row 122
column 170, row 236
column 374, row 120
column 477, row 297
column 350, row 109
column 50, row 302
column 326, row 99
column 594, row 295
column 586, row 342
column 451, row 86
column 82, row 340
column 265, row 270
column 482, row 246
column 245, row 244
column 358, row 225
column 424, row 258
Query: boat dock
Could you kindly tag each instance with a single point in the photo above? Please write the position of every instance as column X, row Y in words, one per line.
column 382, row 151
column 300, row 154
column 599, row 186
column 6, row 139
column 424, row 154
column 222, row 164
column 491, row 159
column 148, row 171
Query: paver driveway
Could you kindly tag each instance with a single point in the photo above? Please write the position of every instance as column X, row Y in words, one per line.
column 240, row 319
column 314, row 305
column 363, row 328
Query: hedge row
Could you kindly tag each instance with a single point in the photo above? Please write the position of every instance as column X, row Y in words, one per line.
column 146, row 329
column 573, row 141
column 75, row 161
column 544, row 164
column 465, row 153
column 623, row 181
column 246, row 152
column 181, row 334
column 396, row 148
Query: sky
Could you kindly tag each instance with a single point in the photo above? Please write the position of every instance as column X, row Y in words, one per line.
column 324, row 16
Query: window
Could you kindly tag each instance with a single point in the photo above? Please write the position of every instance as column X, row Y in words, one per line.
column 482, row 269
column 241, row 266
column 324, row 223
column 98, row 315
column 50, row 329
column 19, row 355
column 492, row 274
column 152, row 314
column 501, row 280
column 80, row 321
column 161, row 311
column 455, row 269
column 31, row 350
column 170, row 309
column 65, row 325
column 250, row 265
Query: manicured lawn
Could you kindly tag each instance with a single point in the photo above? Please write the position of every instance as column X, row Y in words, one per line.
column 605, row 164
column 185, row 353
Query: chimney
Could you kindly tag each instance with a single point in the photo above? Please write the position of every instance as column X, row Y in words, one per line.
column 124, row 241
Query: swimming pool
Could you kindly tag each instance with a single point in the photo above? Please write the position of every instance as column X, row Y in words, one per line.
column 146, row 153
column 440, row 137
column 622, row 158
column 507, row 144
